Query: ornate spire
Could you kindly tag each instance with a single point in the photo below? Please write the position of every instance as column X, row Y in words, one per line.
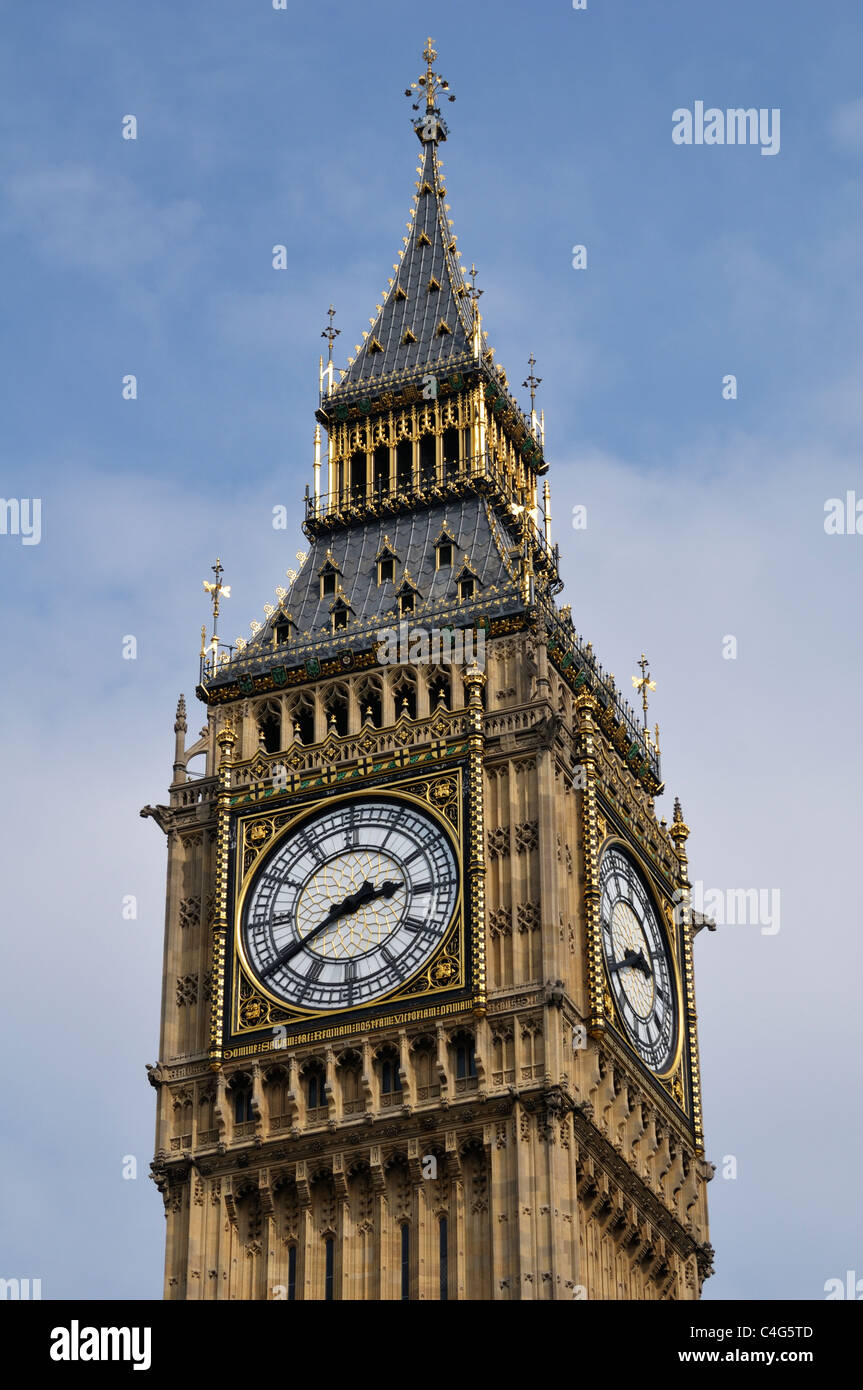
column 425, row 322
column 430, row 127
column 180, row 721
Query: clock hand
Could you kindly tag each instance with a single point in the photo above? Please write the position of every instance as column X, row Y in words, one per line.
column 633, row 960
column 366, row 894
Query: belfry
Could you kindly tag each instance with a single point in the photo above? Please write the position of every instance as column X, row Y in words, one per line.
column 428, row 1018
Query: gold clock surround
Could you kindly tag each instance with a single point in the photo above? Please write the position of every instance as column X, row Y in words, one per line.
column 445, row 983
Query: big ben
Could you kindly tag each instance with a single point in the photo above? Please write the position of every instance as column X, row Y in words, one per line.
column 428, row 1022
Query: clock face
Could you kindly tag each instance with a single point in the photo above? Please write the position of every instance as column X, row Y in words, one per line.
column 638, row 963
column 350, row 904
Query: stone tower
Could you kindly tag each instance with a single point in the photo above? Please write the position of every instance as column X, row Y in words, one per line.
column 428, row 1019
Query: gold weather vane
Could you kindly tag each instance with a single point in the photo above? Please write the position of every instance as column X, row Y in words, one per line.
column 218, row 591
column 644, row 683
column 432, row 82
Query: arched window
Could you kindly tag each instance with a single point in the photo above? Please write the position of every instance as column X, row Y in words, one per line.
column 270, row 727
column 428, row 459
column 450, row 453
column 302, row 720
column 405, row 696
column 358, row 476
column 243, row 1104
column 405, row 464
column 336, row 709
column 292, row 1274
column 440, row 690
column 465, row 1062
column 391, row 1082
column 329, row 1265
column 315, row 1094
column 381, row 469
column 370, row 700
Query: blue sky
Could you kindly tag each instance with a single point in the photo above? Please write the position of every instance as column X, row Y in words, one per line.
column 705, row 516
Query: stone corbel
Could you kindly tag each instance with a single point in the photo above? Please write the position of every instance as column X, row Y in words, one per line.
column 301, row 1178
column 376, row 1169
column 415, row 1161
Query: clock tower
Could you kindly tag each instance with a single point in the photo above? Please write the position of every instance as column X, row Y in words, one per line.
column 428, row 1018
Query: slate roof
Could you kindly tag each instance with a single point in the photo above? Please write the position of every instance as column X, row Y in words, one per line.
column 411, row 307
column 477, row 534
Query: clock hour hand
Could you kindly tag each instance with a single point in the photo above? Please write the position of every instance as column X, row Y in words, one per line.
column 633, row 960
column 366, row 894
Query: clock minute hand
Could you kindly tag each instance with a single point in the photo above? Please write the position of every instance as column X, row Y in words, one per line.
column 363, row 895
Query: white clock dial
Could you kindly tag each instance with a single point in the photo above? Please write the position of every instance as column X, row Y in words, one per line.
column 350, row 904
column 638, row 962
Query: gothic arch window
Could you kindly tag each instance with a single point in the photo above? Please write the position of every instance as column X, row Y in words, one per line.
column 358, row 476
column 292, row 1273
column 405, row 694
column 450, row 453
column 381, row 469
column 329, row 1267
column 350, row 1077
column 269, row 717
column 336, row 709
column 440, row 690
column 241, row 1099
column 390, row 1076
column 404, row 464
column 207, row 1131
column 314, row 1082
column 464, row 1059
column 370, row 698
column 301, row 718
column 277, row 1087
column 428, row 460
column 424, row 1054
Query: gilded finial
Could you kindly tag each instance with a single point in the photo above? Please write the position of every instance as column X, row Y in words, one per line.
column 217, row 591
column 430, row 127
column 644, row 683
column 679, row 829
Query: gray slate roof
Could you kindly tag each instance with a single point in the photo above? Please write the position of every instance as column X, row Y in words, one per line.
column 476, row 533
column 422, row 310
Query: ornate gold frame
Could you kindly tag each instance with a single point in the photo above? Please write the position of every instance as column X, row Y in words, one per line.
column 451, row 980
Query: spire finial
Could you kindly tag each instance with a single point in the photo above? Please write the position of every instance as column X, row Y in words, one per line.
column 532, row 381
column 430, row 127
column 217, row 591
column 644, row 683
column 331, row 333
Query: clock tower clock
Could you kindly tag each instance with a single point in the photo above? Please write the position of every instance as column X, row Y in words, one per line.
column 428, row 1018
